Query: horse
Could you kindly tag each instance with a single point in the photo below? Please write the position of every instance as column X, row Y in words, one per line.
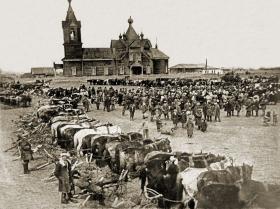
column 25, row 100
column 56, row 125
column 81, row 137
column 65, row 134
column 46, row 112
column 131, row 154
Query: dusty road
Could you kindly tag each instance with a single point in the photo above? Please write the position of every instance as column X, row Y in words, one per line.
column 245, row 139
column 22, row 191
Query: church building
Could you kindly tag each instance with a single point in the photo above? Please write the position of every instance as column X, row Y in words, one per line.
column 130, row 54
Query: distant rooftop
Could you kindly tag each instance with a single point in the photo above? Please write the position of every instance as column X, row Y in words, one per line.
column 188, row 66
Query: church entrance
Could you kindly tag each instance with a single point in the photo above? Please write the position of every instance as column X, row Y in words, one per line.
column 136, row 70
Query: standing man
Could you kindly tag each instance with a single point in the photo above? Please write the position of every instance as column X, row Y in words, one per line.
column 144, row 110
column 238, row 107
column 263, row 103
column 124, row 103
column 158, row 124
column 145, row 127
column 97, row 102
column 153, row 112
column 132, row 111
column 190, row 127
column 25, row 153
column 86, row 103
column 184, row 118
column 63, row 174
column 249, row 108
column 175, row 118
column 165, row 110
column 203, row 126
column 198, row 115
column 217, row 112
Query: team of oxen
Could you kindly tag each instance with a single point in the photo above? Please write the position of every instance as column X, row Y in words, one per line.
column 106, row 142
column 14, row 98
column 174, row 179
column 18, row 94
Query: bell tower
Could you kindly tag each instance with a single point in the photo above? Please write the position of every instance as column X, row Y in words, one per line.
column 72, row 35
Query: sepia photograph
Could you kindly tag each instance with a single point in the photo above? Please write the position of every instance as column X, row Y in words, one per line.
column 151, row 104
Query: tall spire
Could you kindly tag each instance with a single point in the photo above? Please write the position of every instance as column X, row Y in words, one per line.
column 156, row 46
column 70, row 13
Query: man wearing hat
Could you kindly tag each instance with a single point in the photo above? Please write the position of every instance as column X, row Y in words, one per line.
column 145, row 127
column 153, row 112
column 184, row 118
column 63, row 174
column 165, row 110
column 132, row 109
column 249, row 108
column 190, row 127
column 158, row 123
column 25, row 153
column 217, row 112
column 175, row 118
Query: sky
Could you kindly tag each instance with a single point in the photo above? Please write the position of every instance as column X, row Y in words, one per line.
column 229, row 33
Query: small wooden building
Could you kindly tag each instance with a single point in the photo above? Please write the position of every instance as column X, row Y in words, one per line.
column 187, row 68
column 42, row 71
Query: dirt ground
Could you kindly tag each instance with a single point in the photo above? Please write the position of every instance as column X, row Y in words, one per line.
column 245, row 139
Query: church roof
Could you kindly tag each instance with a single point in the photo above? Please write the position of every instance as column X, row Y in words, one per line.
column 97, row 53
column 131, row 34
column 157, row 54
column 117, row 44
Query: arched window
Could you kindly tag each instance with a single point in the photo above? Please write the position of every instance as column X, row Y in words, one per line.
column 72, row 35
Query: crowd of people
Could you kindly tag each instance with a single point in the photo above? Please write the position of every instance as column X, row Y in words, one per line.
column 192, row 105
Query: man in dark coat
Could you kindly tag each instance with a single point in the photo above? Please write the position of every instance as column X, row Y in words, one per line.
column 175, row 118
column 97, row 102
column 158, row 124
column 63, row 174
column 184, row 118
column 197, row 111
column 132, row 111
column 238, row 107
column 107, row 103
column 249, row 107
column 190, row 127
column 25, row 153
column 203, row 126
column 153, row 112
column 86, row 103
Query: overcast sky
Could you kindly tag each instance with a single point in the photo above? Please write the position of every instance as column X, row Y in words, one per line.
column 243, row 33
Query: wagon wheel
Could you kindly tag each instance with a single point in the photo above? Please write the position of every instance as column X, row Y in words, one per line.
column 116, row 191
column 120, row 188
